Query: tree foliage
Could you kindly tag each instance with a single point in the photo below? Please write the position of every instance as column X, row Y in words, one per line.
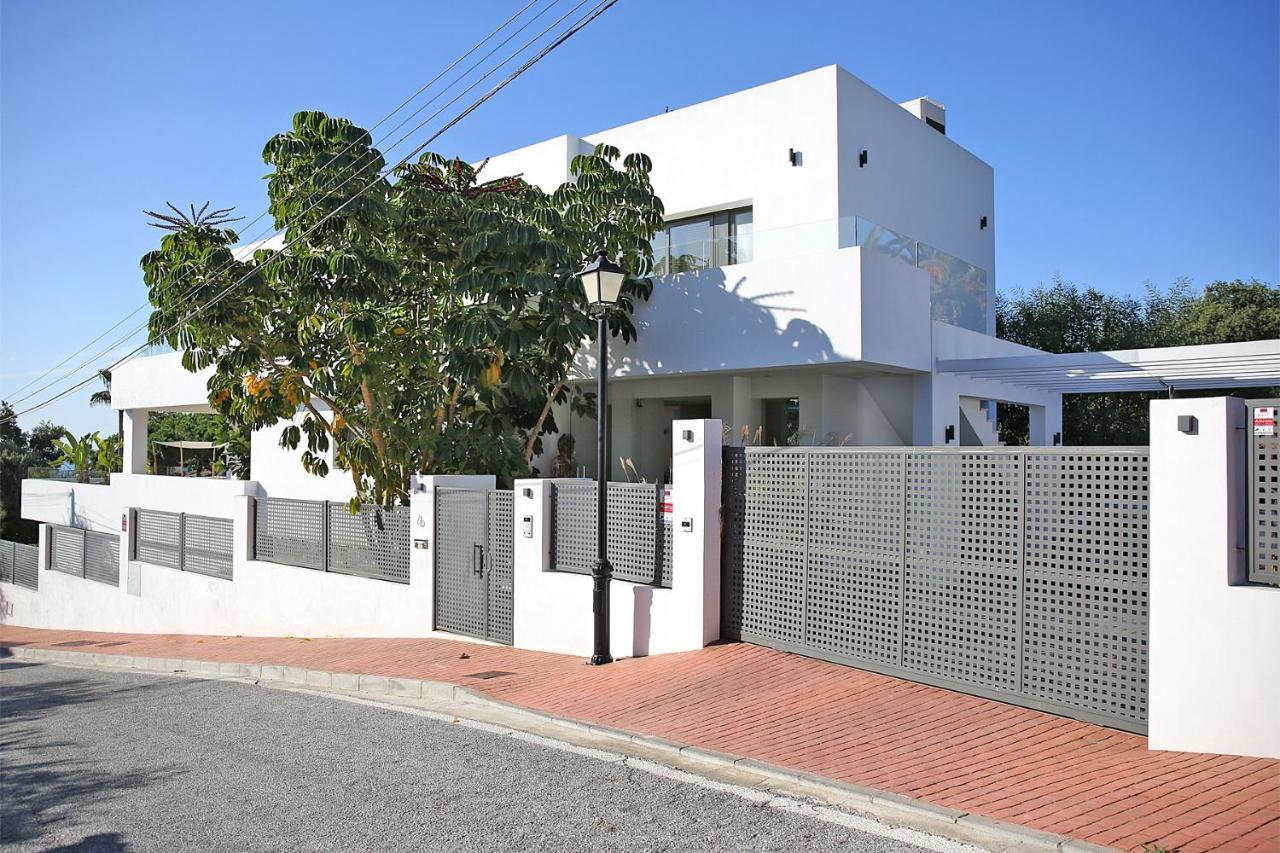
column 1064, row 317
column 427, row 325
column 18, row 453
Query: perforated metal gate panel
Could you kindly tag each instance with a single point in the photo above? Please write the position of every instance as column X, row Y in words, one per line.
column 371, row 543
column 290, row 532
column 462, row 534
column 963, row 566
column 206, row 545
column 855, row 554
column 1086, row 581
column 1015, row 574
column 66, row 552
column 1264, row 497
column 102, row 557
column 633, row 531
column 158, row 538
column 499, row 568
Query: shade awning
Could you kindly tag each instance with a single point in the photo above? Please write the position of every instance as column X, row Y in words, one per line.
column 1249, row 364
column 190, row 445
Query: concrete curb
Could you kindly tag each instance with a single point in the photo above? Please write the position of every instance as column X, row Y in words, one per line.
column 884, row 806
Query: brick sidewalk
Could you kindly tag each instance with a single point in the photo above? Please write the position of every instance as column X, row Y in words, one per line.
column 946, row 748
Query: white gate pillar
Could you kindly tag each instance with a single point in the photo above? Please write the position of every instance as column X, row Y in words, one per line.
column 695, row 534
column 1214, row 672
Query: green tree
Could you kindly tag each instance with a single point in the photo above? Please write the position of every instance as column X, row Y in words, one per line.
column 102, row 397
column 18, row 453
column 80, row 453
column 1067, row 318
column 427, row 325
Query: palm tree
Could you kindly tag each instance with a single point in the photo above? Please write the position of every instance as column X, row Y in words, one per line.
column 103, row 398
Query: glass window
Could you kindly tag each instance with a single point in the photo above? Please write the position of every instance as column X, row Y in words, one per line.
column 661, row 251
column 691, row 244
column 740, row 236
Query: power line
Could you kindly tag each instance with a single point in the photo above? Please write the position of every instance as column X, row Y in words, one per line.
column 266, row 232
column 596, row 11
column 416, row 128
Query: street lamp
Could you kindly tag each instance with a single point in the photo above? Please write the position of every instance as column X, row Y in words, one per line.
column 601, row 282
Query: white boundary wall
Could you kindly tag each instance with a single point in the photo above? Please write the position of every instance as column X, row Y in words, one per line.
column 1215, row 640
column 552, row 609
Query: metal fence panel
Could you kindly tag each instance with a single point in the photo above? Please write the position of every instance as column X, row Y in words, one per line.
column 633, row 531
column 7, row 560
column 371, row 543
column 1264, row 497
column 500, row 571
column 290, row 532
column 1015, row 574
column 26, row 565
column 207, row 545
column 158, row 538
column 102, row 557
column 962, row 586
column 1085, row 612
column 66, row 550
column 855, row 555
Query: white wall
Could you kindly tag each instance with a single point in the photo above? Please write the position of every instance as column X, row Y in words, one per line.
column 916, row 181
column 279, row 472
column 1215, row 647
column 159, row 383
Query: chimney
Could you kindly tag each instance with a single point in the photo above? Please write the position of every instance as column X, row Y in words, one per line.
column 928, row 111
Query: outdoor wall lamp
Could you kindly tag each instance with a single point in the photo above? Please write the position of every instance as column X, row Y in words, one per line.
column 794, row 157
column 949, row 434
column 601, row 283
column 862, row 158
column 982, row 223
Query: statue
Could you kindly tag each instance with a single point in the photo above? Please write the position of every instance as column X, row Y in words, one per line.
column 563, row 465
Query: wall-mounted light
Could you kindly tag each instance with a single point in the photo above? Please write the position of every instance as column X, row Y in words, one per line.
column 1057, row 439
column 687, row 435
column 527, row 492
column 950, row 433
column 794, row 157
column 982, row 223
column 862, row 158
column 1188, row 424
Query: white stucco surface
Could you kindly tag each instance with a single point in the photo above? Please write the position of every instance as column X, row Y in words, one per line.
column 1214, row 667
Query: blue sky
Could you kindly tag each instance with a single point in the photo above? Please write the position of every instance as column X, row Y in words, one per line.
column 1132, row 142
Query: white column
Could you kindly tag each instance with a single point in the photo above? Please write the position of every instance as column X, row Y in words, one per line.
column 1214, row 669
column 1045, row 423
column 745, row 409
column 136, row 459
column 694, row 618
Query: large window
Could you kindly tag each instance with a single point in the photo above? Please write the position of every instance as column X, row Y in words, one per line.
column 703, row 242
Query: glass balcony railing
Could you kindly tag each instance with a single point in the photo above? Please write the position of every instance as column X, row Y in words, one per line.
column 958, row 289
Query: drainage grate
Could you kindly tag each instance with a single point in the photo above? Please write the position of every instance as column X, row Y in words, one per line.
column 116, row 643
column 493, row 673
column 76, row 643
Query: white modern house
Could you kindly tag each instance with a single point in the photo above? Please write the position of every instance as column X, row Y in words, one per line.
column 825, row 248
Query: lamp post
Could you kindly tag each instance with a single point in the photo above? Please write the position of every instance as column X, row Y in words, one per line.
column 601, row 282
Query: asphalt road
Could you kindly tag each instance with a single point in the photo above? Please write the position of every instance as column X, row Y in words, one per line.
column 107, row 761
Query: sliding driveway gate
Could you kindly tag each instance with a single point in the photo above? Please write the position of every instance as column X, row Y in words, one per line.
column 1015, row 574
column 474, row 560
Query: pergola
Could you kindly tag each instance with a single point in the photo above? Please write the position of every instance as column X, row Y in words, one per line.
column 1250, row 364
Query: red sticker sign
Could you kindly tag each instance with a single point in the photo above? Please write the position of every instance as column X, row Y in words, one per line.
column 1264, row 420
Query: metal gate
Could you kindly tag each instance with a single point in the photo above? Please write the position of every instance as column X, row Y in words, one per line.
column 1016, row 574
column 1264, row 492
column 473, row 563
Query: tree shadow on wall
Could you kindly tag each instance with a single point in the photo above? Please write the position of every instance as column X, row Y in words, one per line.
column 726, row 329
column 38, row 792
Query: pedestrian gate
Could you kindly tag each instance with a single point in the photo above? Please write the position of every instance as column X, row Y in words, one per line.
column 473, row 563
column 1016, row 574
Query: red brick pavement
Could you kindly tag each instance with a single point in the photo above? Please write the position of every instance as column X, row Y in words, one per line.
column 945, row 748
